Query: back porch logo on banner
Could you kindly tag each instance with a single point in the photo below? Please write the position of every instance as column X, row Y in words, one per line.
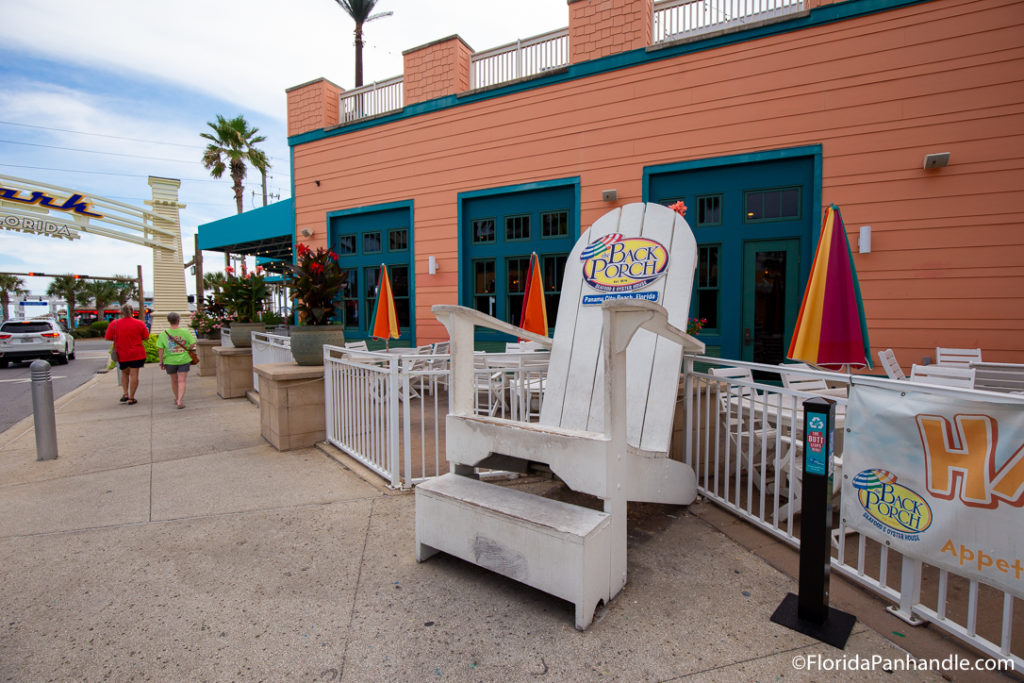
column 938, row 479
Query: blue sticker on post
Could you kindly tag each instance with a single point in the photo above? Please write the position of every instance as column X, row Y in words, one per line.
column 816, row 457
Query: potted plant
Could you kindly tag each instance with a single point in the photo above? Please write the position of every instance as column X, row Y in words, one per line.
column 245, row 296
column 315, row 280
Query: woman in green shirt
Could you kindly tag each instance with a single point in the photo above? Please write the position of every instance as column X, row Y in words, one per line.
column 173, row 345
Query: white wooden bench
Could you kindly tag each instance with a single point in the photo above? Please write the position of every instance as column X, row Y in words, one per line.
column 604, row 429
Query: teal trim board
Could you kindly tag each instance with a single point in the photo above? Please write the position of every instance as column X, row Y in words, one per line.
column 818, row 16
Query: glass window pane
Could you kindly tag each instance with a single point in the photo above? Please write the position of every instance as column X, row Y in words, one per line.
column 346, row 244
column 554, row 224
column 753, row 212
column 772, row 205
column 707, row 291
column 484, row 277
column 398, row 240
column 399, row 276
column 370, row 277
column 371, row 242
column 517, row 271
column 790, row 203
column 517, row 227
column 483, row 230
column 709, row 210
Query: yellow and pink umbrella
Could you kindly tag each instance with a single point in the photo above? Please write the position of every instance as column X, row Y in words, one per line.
column 385, row 318
column 831, row 330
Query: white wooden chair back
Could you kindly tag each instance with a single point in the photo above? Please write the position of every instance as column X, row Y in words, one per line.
column 801, row 382
column 736, row 373
column 356, row 346
column 943, row 375
column 522, row 347
column 573, row 397
column 891, row 366
column 960, row 358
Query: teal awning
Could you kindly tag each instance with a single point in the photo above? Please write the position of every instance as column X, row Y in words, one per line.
column 267, row 232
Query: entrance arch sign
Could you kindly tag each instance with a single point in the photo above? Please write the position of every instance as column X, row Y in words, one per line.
column 39, row 208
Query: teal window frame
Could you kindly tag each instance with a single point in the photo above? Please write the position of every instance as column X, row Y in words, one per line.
column 778, row 219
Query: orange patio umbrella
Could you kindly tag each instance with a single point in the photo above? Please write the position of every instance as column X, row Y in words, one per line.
column 385, row 318
column 535, row 311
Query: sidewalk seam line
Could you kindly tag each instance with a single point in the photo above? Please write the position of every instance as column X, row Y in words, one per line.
column 355, row 591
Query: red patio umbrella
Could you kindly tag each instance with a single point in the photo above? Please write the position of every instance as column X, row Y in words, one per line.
column 385, row 318
column 831, row 330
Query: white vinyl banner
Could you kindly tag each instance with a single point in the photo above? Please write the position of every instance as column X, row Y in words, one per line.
column 940, row 479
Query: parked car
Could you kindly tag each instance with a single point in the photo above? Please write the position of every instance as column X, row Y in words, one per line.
column 38, row 338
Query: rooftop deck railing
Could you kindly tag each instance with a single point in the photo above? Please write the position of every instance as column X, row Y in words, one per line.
column 374, row 99
column 676, row 19
column 526, row 57
column 673, row 20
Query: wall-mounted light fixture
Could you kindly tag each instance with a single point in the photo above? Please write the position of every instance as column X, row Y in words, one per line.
column 431, row 265
column 937, row 160
column 306, row 232
column 609, row 195
column 864, row 240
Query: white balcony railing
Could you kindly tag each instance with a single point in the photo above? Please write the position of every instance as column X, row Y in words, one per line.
column 675, row 19
column 377, row 98
column 527, row 57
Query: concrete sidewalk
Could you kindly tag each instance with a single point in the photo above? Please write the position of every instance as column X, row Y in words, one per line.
column 177, row 545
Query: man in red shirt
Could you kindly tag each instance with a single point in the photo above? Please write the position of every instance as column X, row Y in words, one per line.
column 128, row 333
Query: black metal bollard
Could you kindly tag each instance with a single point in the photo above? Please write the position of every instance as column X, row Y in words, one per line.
column 42, row 410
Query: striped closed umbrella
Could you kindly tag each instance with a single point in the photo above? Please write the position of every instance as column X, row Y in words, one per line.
column 831, row 330
column 385, row 318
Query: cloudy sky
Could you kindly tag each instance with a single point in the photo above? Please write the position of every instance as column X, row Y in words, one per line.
column 97, row 96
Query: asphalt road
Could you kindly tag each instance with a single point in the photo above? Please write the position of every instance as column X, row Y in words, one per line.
column 92, row 356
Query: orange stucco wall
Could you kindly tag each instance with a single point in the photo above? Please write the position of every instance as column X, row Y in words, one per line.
column 877, row 92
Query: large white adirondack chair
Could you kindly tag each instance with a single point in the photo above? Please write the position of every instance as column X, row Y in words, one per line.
column 604, row 429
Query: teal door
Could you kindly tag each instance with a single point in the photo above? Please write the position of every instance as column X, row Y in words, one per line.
column 734, row 210
column 500, row 230
column 771, row 298
column 363, row 240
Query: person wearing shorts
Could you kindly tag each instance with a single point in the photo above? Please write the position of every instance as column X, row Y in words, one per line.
column 174, row 359
column 128, row 333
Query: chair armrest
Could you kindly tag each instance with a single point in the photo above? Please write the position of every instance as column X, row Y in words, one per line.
column 657, row 322
column 476, row 318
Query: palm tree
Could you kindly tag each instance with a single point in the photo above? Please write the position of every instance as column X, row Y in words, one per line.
column 10, row 284
column 361, row 13
column 102, row 292
column 69, row 288
column 214, row 281
column 232, row 143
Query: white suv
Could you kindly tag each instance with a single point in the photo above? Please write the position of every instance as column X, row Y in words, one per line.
column 38, row 338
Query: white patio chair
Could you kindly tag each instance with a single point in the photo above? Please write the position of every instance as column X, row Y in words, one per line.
column 439, row 366
column 522, row 347
column 891, row 366
column 959, row 358
column 742, row 420
column 418, row 369
column 356, row 345
column 604, row 428
column 491, row 388
column 792, row 379
column 943, row 375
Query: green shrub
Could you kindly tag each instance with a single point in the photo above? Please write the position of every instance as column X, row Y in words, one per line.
column 84, row 333
column 100, row 327
column 152, row 354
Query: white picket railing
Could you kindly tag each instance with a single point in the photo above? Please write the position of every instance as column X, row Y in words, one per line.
column 526, row 57
column 374, row 99
column 387, row 410
column 744, row 458
column 269, row 348
column 676, row 19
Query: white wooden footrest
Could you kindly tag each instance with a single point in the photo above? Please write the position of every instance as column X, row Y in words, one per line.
column 559, row 548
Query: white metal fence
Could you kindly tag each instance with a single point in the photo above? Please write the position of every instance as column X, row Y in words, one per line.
column 388, row 410
column 526, row 57
column 376, row 98
column 742, row 439
column 675, row 19
column 269, row 348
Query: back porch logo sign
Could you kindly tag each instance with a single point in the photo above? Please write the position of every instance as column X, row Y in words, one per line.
column 622, row 265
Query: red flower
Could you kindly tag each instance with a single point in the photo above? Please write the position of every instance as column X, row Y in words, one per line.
column 316, row 268
column 303, row 250
column 332, row 255
column 679, row 208
column 229, row 270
